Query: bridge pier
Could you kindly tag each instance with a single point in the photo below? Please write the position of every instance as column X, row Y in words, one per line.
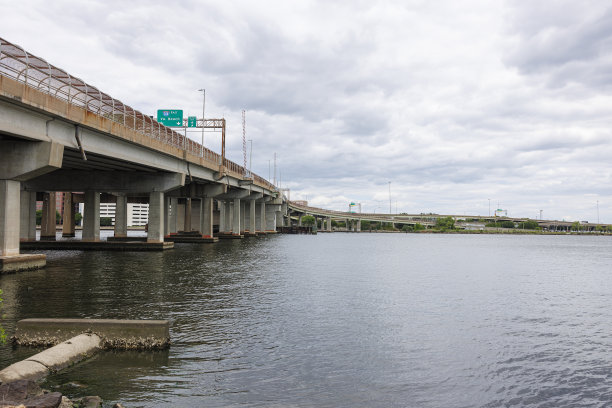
column 207, row 217
column 91, row 217
column 173, row 216
column 27, row 218
column 121, row 216
column 48, row 223
column 329, row 224
column 261, row 226
column 156, row 217
column 10, row 203
column 68, row 222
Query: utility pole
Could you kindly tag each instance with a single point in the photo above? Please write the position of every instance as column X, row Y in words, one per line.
column 203, row 117
column 390, row 198
column 275, row 169
column 541, row 215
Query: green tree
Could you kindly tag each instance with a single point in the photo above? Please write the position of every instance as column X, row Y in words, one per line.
column 576, row 226
column 106, row 221
column 445, row 223
column 38, row 217
column 419, row 227
column 308, row 220
column 529, row 224
column 77, row 218
column 365, row 225
column 407, row 228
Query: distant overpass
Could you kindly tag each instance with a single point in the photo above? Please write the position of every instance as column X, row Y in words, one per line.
column 327, row 216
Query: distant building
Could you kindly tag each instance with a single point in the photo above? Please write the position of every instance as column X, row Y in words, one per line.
column 137, row 214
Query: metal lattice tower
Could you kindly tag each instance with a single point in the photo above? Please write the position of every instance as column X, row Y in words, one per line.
column 246, row 172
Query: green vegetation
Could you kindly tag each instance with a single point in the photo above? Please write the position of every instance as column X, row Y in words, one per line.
column 39, row 217
column 308, row 220
column 407, row 228
column 77, row 218
column 445, row 223
column 419, row 227
column 106, row 221
column 530, row 224
column 365, row 225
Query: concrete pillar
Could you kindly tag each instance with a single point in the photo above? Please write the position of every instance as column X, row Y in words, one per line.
column 173, row 215
column 358, row 225
column 187, row 223
column 48, row 224
column 243, row 216
column 27, row 217
column 207, row 217
column 180, row 217
column 280, row 220
column 121, row 216
column 262, row 216
column 68, row 218
column 236, row 217
column 10, row 203
column 156, row 217
column 91, row 216
column 228, row 216
column 270, row 218
column 166, row 215
column 329, row 224
column 300, row 220
column 196, row 214
column 252, row 227
column 221, row 216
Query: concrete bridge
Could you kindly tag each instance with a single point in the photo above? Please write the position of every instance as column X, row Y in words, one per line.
column 353, row 220
column 60, row 134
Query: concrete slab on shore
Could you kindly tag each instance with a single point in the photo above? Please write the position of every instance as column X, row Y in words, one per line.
column 96, row 246
column 124, row 334
column 22, row 262
column 53, row 359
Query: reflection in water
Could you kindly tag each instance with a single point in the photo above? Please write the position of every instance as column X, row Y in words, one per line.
column 341, row 320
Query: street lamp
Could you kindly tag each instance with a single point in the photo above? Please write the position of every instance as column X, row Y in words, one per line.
column 203, row 119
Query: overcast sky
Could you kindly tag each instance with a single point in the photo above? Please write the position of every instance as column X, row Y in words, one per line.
column 453, row 102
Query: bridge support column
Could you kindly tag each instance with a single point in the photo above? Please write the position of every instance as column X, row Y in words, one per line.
column 166, row 215
column 236, row 217
column 252, row 227
column 156, row 217
column 68, row 218
column 207, row 217
column 27, row 216
column 10, row 202
column 329, row 224
column 121, row 216
column 243, row 216
column 196, row 214
column 228, row 217
column 262, row 217
column 358, row 222
column 173, row 215
column 91, row 217
column 187, row 222
column 48, row 223
column 271, row 211
column 300, row 220
column 221, row 205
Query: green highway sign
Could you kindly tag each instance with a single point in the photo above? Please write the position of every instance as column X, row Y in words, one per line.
column 192, row 121
column 170, row 117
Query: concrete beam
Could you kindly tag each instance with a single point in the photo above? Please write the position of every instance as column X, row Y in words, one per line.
column 23, row 160
column 115, row 181
column 233, row 194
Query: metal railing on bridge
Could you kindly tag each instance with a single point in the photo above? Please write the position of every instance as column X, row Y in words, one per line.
column 18, row 64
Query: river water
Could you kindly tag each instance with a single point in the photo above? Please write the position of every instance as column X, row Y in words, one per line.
column 341, row 320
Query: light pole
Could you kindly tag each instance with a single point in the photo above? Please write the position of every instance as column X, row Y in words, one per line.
column 250, row 157
column 390, row 198
column 203, row 119
column 268, row 170
column 489, row 207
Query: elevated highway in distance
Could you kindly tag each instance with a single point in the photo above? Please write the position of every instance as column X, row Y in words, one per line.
column 427, row 220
